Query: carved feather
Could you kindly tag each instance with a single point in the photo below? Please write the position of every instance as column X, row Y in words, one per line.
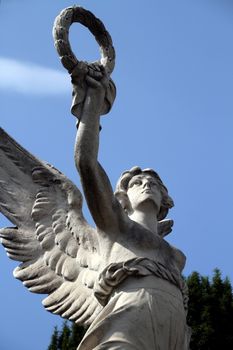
column 51, row 237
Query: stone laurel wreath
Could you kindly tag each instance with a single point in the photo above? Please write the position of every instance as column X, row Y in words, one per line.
column 78, row 69
column 97, row 28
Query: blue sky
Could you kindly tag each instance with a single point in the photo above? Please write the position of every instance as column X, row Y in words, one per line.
column 173, row 113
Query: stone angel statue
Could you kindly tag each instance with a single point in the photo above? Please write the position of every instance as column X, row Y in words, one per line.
column 122, row 277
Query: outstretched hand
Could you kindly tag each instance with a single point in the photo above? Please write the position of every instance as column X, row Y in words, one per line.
column 93, row 90
column 97, row 84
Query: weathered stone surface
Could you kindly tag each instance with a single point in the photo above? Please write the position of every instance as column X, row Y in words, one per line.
column 122, row 277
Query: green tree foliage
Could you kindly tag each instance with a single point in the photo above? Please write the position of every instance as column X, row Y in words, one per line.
column 54, row 340
column 210, row 316
column 77, row 333
column 63, row 339
column 68, row 338
column 210, row 312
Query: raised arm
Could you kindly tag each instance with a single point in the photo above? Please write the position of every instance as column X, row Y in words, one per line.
column 102, row 204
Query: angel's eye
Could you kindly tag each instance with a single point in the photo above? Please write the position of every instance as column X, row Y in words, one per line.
column 135, row 183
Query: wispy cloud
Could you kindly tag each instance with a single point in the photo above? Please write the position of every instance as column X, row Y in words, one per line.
column 28, row 78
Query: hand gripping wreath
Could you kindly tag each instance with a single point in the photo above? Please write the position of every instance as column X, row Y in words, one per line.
column 79, row 69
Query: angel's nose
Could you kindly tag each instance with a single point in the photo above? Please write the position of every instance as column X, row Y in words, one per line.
column 147, row 184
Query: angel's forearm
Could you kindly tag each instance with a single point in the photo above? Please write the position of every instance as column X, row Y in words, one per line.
column 96, row 185
column 87, row 141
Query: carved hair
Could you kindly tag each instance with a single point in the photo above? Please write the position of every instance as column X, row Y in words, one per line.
column 122, row 187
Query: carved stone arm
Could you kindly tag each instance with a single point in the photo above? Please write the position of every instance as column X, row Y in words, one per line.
column 98, row 191
column 93, row 95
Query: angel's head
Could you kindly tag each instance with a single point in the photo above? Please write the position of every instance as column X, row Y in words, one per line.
column 136, row 186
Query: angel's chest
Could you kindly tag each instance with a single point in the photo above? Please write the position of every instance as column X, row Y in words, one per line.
column 126, row 247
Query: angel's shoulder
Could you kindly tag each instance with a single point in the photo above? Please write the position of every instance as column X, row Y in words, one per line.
column 179, row 257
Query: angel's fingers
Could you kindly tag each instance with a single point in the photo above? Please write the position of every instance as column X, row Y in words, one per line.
column 105, row 77
column 94, row 74
column 79, row 70
column 100, row 74
column 92, row 82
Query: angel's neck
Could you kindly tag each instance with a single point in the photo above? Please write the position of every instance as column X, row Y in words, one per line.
column 147, row 220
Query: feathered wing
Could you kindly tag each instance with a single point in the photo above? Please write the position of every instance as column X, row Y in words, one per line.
column 57, row 248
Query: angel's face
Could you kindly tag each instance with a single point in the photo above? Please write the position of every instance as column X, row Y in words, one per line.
column 144, row 188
